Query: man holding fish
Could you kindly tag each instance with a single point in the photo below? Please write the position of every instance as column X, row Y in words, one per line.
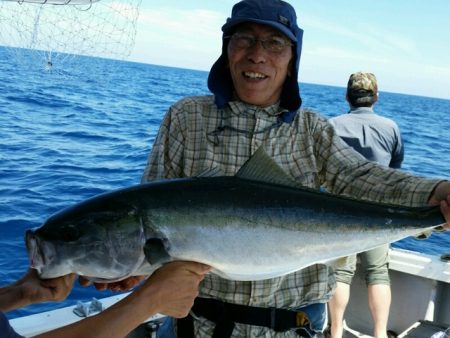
column 256, row 104
column 172, row 290
column 253, row 115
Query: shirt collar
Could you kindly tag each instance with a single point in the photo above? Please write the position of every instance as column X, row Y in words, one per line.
column 361, row 110
column 238, row 107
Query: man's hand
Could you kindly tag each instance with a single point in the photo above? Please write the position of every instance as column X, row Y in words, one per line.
column 173, row 287
column 441, row 196
column 445, row 209
column 41, row 290
column 170, row 290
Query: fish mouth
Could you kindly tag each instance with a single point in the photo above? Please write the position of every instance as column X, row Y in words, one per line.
column 35, row 254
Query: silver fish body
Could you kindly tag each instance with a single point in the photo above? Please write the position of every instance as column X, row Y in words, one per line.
column 245, row 229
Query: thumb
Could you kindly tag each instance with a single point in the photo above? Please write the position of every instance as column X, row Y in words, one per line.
column 198, row 268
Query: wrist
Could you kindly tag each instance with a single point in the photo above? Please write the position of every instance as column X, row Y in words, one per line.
column 149, row 292
column 12, row 297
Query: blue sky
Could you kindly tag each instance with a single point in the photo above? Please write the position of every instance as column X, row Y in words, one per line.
column 404, row 42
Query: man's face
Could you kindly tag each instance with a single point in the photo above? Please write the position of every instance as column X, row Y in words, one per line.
column 258, row 74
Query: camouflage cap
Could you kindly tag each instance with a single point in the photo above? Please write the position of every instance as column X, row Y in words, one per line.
column 362, row 87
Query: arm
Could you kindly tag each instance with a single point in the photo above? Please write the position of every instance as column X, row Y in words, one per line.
column 413, row 188
column 30, row 289
column 398, row 149
column 344, row 173
column 171, row 290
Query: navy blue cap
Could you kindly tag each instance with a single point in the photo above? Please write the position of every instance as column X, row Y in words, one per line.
column 275, row 13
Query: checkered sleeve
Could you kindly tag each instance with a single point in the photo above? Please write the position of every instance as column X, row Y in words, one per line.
column 346, row 172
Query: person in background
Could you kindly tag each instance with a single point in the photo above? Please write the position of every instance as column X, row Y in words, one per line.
column 378, row 139
column 170, row 290
column 256, row 103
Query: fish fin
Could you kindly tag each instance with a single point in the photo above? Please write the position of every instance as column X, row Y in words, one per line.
column 262, row 167
column 337, row 263
column 155, row 250
column 341, row 262
column 426, row 234
column 423, row 235
column 445, row 257
column 214, row 172
column 439, row 228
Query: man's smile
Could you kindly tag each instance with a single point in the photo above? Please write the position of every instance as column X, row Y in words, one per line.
column 254, row 75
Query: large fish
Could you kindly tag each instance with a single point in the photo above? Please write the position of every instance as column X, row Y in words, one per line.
column 250, row 226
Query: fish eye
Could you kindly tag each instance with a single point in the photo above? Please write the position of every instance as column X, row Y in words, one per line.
column 70, row 233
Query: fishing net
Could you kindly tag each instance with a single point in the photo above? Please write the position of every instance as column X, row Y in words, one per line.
column 53, row 34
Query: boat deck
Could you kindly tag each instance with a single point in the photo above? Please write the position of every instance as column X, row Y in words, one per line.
column 420, row 329
column 423, row 328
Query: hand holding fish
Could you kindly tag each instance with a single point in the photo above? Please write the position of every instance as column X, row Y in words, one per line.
column 445, row 208
column 172, row 288
column 175, row 286
column 31, row 289
column 441, row 196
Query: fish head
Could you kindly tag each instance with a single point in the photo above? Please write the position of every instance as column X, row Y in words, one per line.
column 99, row 240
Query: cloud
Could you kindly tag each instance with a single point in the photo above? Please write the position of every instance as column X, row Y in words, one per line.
column 183, row 23
column 176, row 37
column 359, row 38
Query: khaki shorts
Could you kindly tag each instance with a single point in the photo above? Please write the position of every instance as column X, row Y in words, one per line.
column 375, row 264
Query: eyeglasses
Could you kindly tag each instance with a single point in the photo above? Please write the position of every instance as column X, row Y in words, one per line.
column 273, row 44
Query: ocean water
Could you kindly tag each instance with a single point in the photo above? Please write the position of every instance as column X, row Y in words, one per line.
column 70, row 134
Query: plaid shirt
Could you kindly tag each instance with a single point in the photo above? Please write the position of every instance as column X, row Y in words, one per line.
column 196, row 136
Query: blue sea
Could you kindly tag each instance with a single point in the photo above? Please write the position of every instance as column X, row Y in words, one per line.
column 72, row 133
